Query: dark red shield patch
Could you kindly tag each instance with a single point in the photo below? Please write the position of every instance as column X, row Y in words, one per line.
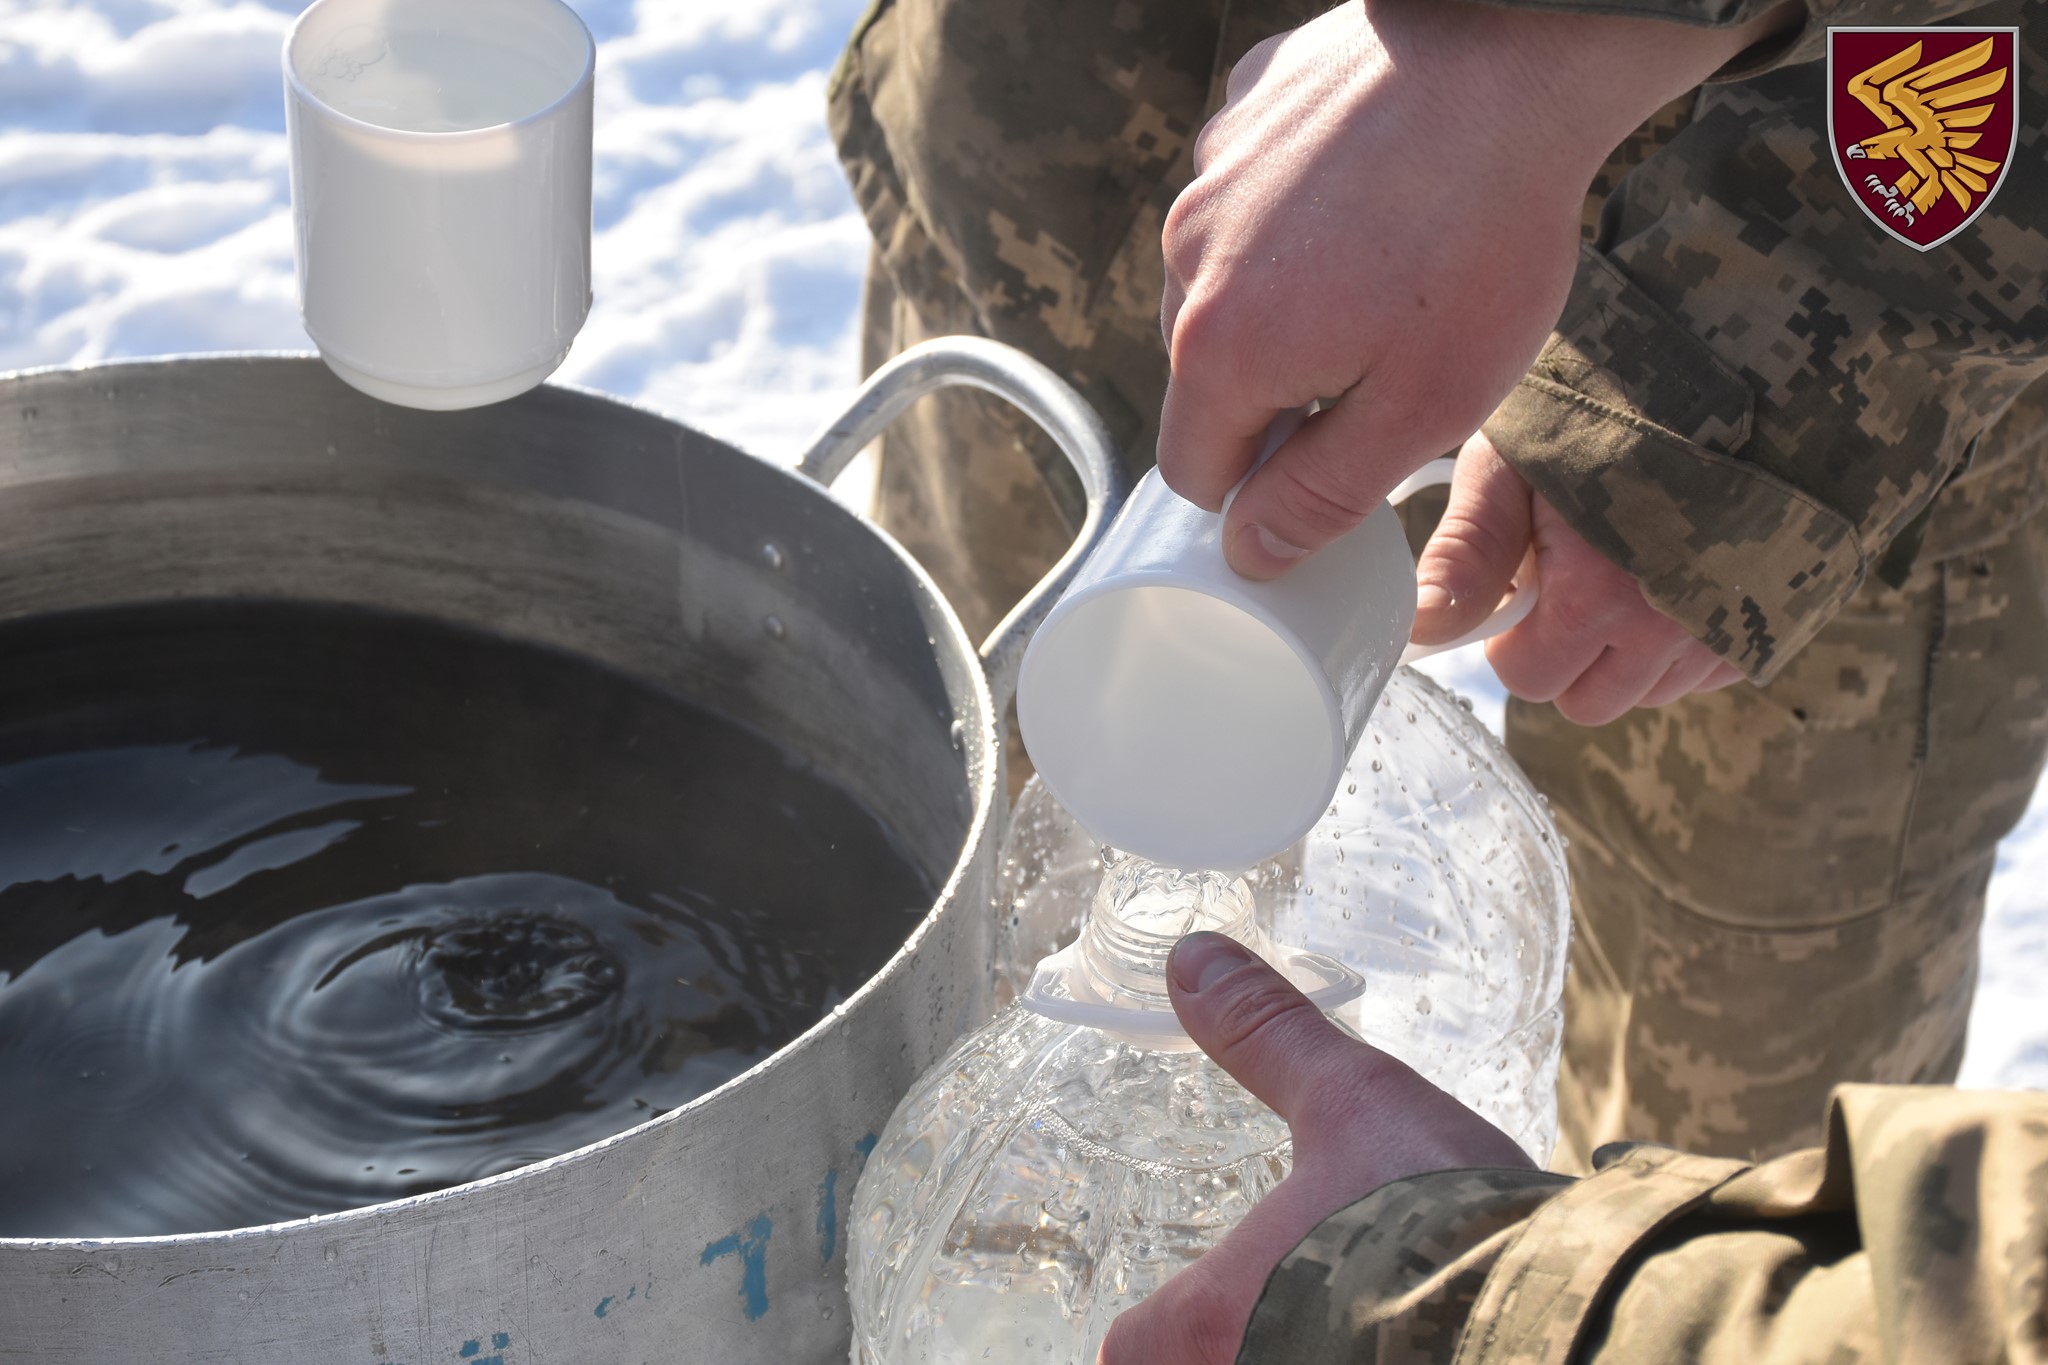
column 1922, row 123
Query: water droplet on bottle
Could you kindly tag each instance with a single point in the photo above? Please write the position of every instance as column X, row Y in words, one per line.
column 957, row 735
column 1376, row 765
column 772, row 556
column 773, row 625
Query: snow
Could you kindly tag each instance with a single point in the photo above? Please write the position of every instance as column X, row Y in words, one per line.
column 145, row 209
column 145, row 205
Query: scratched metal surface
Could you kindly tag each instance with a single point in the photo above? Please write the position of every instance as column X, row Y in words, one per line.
column 716, row 1232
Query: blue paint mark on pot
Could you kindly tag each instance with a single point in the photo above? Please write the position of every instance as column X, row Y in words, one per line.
column 751, row 1246
column 828, row 1216
column 470, row 1348
column 603, row 1305
column 500, row 1340
column 866, row 1147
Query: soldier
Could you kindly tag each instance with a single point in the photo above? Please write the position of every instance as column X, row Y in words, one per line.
column 1760, row 438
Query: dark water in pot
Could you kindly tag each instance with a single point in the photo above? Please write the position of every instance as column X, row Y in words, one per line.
column 306, row 908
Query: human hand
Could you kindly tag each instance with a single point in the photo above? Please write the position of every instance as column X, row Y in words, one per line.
column 1359, row 1119
column 1593, row 644
column 1386, row 212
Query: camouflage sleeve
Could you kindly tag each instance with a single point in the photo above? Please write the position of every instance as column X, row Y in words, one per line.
column 1391, row 1280
column 1920, row 1231
column 1753, row 389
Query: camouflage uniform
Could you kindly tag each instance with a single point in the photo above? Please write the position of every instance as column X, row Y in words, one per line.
column 1821, row 450
column 1919, row 1232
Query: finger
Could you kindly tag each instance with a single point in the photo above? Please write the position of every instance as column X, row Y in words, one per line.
column 1245, row 74
column 1616, row 683
column 1726, row 675
column 1209, row 434
column 1325, row 480
column 1537, row 660
column 1170, row 299
column 1683, row 678
column 1476, row 548
column 1215, row 134
column 1584, row 602
column 1350, row 1105
column 1259, row 1028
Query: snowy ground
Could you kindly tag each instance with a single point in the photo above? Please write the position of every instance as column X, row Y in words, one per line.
column 144, row 209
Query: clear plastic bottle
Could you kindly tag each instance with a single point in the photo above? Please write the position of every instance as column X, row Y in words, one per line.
column 1047, row 1174
column 1437, row 875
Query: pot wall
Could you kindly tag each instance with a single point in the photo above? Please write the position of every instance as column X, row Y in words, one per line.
column 716, row 1232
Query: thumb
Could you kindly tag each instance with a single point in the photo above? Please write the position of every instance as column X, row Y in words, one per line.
column 1359, row 1116
column 1475, row 549
column 1255, row 1025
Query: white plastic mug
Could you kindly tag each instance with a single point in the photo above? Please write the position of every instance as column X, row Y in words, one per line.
column 1201, row 719
column 440, row 164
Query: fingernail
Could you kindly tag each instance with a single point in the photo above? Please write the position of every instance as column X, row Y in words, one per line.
column 1258, row 553
column 1199, row 961
column 1433, row 597
column 1277, row 547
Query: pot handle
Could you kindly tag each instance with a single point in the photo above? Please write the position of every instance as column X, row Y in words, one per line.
column 1043, row 397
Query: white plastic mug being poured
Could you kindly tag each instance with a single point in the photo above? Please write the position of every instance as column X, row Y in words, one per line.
column 1071, row 1156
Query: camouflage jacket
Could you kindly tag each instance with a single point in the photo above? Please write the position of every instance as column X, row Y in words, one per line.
column 1919, row 1232
column 1753, row 397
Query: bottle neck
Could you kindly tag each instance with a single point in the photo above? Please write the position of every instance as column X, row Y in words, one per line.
column 1140, row 911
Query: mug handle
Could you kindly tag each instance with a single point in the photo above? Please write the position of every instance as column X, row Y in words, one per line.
column 1521, row 594
column 1042, row 396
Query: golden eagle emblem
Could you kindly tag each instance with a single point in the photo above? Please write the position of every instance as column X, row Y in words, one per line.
column 1930, row 121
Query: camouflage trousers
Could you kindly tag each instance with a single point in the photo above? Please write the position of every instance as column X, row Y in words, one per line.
column 1776, row 890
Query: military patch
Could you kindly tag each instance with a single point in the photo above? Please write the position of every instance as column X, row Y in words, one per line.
column 1922, row 122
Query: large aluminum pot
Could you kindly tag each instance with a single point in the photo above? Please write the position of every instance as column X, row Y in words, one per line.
column 715, row 1232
